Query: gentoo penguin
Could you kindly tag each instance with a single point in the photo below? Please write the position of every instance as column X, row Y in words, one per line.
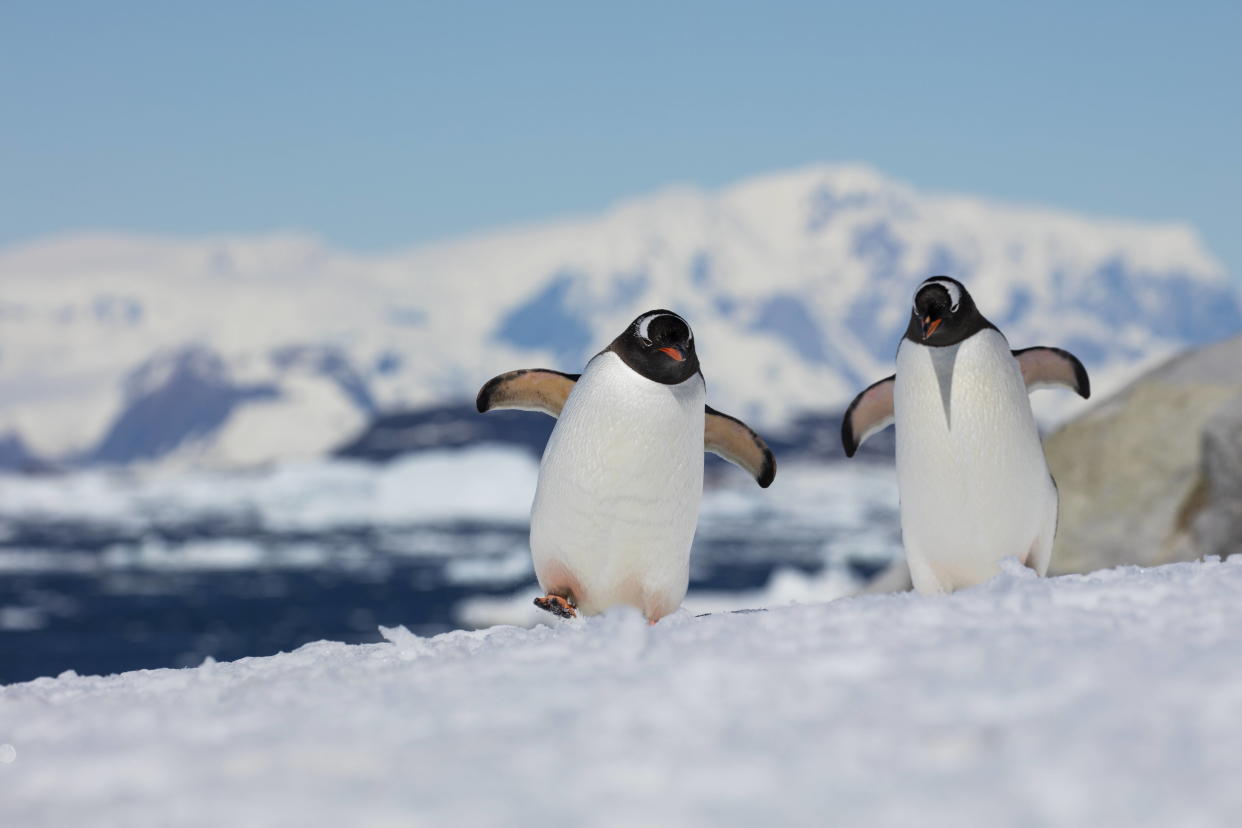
column 622, row 475
column 973, row 482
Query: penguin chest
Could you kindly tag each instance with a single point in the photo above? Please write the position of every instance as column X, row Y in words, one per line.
column 973, row 480
column 619, row 489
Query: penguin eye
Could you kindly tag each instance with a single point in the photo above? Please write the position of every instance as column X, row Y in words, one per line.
column 645, row 341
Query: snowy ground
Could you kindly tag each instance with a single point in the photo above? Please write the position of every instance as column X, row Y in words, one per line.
column 1109, row 699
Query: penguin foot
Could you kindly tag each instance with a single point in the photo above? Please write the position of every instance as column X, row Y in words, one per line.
column 557, row 605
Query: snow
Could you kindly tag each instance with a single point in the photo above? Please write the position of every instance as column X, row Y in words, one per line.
column 1107, row 699
column 787, row 585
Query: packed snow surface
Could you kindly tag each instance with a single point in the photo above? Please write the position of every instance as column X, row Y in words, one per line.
column 1108, row 699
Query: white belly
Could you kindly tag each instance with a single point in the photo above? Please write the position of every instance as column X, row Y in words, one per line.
column 619, row 490
column 974, row 484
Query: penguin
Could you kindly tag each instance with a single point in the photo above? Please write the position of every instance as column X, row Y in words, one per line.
column 617, row 501
column 973, row 481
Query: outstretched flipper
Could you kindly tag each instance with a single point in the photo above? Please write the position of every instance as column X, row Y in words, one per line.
column 1053, row 368
column 530, row 389
column 732, row 439
column 539, row 389
column 871, row 411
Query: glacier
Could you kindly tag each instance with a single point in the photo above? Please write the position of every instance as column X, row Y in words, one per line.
column 1105, row 699
column 239, row 351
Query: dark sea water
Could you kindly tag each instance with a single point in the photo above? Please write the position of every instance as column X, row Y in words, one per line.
column 107, row 571
column 87, row 598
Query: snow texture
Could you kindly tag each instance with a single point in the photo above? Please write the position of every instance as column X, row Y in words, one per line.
column 1108, row 699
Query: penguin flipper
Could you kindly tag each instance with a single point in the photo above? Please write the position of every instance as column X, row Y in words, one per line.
column 871, row 411
column 732, row 439
column 1053, row 368
column 530, row 389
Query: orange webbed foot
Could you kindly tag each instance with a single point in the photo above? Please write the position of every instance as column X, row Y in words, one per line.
column 558, row 605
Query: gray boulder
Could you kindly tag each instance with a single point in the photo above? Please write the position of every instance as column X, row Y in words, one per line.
column 1216, row 525
column 1154, row 473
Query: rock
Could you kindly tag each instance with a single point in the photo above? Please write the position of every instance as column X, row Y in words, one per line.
column 1217, row 525
column 1154, row 473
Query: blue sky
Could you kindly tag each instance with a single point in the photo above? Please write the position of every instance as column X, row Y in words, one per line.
column 382, row 124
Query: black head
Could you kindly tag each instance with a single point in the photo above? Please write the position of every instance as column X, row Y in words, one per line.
column 660, row 346
column 944, row 313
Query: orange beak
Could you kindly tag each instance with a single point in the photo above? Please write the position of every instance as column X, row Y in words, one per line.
column 674, row 353
column 930, row 325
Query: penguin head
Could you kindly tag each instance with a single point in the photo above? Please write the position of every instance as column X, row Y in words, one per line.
column 659, row 345
column 944, row 313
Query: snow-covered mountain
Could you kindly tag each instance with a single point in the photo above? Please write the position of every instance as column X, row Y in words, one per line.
column 227, row 351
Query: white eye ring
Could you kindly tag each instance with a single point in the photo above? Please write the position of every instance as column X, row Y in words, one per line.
column 955, row 293
column 644, row 322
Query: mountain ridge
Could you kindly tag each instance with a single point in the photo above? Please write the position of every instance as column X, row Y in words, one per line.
column 797, row 284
